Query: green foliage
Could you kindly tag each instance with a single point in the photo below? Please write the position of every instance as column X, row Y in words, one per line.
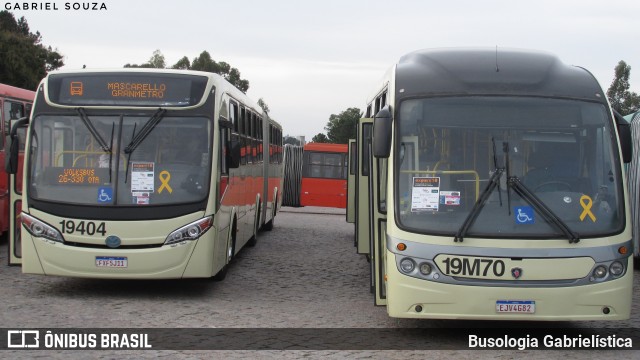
column 155, row 62
column 342, row 127
column 290, row 140
column 24, row 61
column 320, row 138
column 202, row 62
column 182, row 64
column 621, row 99
column 263, row 105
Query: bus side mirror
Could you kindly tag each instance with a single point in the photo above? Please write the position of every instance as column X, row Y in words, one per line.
column 234, row 154
column 13, row 147
column 382, row 126
column 624, row 133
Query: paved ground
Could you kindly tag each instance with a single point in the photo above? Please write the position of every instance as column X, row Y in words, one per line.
column 303, row 274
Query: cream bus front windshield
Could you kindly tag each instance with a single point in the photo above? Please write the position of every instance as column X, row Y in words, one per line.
column 85, row 162
column 560, row 150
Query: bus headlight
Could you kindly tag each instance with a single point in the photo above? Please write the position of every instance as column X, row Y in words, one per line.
column 407, row 265
column 616, row 268
column 425, row 268
column 190, row 232
column 40, row 229
column 600, row 272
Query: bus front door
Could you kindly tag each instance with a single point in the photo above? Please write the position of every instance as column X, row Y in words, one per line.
column 351, row 181
column 18, row 132
column 362, row 196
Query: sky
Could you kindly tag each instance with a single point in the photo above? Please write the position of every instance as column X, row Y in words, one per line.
column 310, row 59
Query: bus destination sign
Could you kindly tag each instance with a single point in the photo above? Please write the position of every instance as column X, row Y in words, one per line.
column 77, row 176
column 126, row 89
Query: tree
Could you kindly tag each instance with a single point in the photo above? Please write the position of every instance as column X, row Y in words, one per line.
column 155, row 62
column 320, row 138
column 24, row 60
column 263, row 105
column 290, row 140
column 342, row 127
column 622, row 100
column 202, row 62
column 182, row 64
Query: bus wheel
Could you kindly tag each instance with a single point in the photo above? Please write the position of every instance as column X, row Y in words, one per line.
column 231, row 246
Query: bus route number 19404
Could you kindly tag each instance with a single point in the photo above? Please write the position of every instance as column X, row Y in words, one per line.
column 83, row 227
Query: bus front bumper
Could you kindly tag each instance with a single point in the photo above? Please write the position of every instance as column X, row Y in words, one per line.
column 406, row 295
column 51, row 258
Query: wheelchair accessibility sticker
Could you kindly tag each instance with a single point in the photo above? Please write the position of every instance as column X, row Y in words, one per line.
column 105, row 195
column 524, row 215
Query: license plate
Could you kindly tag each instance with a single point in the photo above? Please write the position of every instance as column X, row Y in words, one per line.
column 111, row 261
column 518, row 307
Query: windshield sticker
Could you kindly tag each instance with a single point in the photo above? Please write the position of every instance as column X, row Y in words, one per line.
column 451, row 198
column 524, row 215
column 141, row 198
column 142, row 177
column 105, row 195
column 425, row 194
column 164, row 177
column 586, row 202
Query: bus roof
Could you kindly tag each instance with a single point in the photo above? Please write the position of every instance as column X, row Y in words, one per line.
column 16, row 92
column 492, row 71
column 326, row 147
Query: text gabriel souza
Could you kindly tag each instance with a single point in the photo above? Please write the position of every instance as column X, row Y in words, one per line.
column 550, row 341
column 54, row 6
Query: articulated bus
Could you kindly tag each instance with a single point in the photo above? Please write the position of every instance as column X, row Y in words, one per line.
column 145, row 174
column 633, row 179
column 16, row 104
column 490, row 186
column 324, row 175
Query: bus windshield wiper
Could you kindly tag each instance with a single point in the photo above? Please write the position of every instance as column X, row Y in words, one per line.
column 96, row 135
column 494, row 182
column 137, row 139
column 520, row 189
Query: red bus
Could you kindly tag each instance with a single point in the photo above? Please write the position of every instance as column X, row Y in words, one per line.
column 324, row 175
column 16, row 103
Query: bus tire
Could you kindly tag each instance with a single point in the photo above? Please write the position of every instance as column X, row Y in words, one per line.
column 231, row 248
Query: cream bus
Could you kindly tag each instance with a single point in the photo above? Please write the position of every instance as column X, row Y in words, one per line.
column 495, row 190
column 141, row 173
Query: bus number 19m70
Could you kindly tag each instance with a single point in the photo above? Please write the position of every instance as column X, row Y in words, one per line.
column 479, row 267
column 83, row 227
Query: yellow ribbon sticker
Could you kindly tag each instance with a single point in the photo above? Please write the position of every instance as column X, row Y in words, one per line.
column 586, row 203
column 164, row 177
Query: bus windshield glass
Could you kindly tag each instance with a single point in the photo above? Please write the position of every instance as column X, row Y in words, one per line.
column 561, row 151
column 83, row 161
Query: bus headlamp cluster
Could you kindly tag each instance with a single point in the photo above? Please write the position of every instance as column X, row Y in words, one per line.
column 616, row 269
column 190, row 232
column 408, row 265
column 40, row 229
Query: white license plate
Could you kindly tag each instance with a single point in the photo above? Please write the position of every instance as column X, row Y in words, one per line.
column 111, row 261
column 518, row 307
